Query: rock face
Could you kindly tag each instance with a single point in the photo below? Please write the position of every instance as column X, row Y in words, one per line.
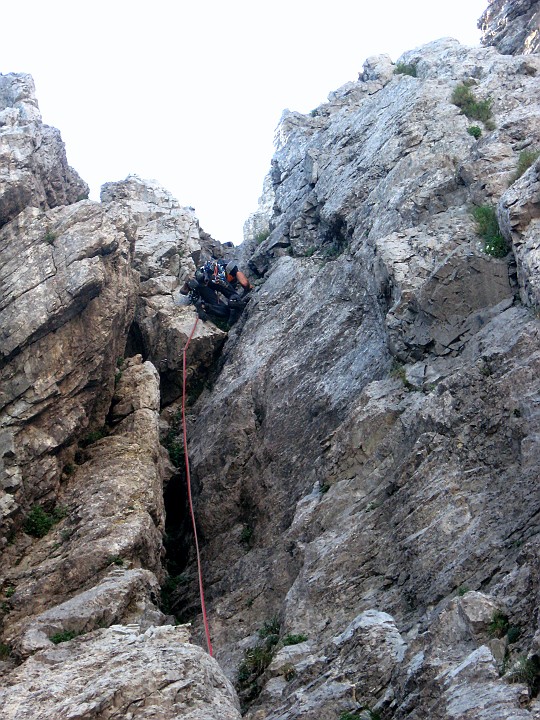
column 184, row 681
column 364, row 453
column 512, row 26
column 33, row 166
column 368, row 485
column 81, row 464
column 167, row 252
column 68, row 296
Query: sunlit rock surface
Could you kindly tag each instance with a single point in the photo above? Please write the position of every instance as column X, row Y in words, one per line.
column 513, row 26
column 376, row 448
column 124, row 673
column 33, row 167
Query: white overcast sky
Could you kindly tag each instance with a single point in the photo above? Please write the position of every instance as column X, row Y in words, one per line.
column 190, row 93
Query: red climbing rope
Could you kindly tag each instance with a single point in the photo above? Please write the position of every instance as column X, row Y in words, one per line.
column 188, row 481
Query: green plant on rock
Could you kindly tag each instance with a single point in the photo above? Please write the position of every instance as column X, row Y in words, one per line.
column 64, row 636
column 474, row 109
column 294, row 639
column 475, row 131
column 38, row 522
column 289, row 672
column 262, row 236
column 50, row 237
column 526, row 159
column 487, row 226
column 258, row 658
column 168, row 590
column 246, row 535
column 525, row 670
column 498, row 626
column 398, row 371
column 173, row 441
column 405, row 69
column 270, row 628
column 5, row 651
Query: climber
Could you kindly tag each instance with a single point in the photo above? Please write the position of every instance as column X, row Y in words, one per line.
column 234, row 276
column 213, row 290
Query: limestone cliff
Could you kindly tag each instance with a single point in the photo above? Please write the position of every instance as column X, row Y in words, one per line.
column 81, row 464
column 512, row 26
column 369, row 484
column 364, row 441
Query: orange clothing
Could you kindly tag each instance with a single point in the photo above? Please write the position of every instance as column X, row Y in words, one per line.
column 241, row 278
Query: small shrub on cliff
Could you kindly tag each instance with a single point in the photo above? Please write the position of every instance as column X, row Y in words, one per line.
column 398, row 371
column 294, row 639
column 38, row 522
column 487, row 226
column 405, row 69
column 246, row 535
column 525, row 670
column 498, row 626
column 262, row 236
column 289, row 672
column 65, row 636
column 5, row 651
column 474, row 109
column 173, row 441
column 475, row 131
column 257, row 659
column 526, row 159
column 168, row 591
column 270, row 628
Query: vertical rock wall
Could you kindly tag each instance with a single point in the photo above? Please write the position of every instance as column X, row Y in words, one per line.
column 82, row 470
column 512, row 26
column 366, row 463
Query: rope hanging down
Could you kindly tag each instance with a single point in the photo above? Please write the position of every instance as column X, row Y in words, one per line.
column 188, row 481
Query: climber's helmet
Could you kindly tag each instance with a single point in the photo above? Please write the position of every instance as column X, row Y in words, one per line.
column 232, row 268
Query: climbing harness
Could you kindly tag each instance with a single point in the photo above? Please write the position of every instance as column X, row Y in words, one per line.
column 188, row 482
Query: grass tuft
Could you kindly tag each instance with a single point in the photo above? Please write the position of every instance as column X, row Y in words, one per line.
column 526, row 159
column 405, row 69
column 474, row 109
column 487, row 226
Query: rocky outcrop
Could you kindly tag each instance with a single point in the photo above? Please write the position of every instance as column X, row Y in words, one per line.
column 34, row 170
column 83, row 471
column 112, row 501
column 375, row 449
column 512, row 26
column 167, row 252
column 124, row 673
column 519, row 217
column 68, row 296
